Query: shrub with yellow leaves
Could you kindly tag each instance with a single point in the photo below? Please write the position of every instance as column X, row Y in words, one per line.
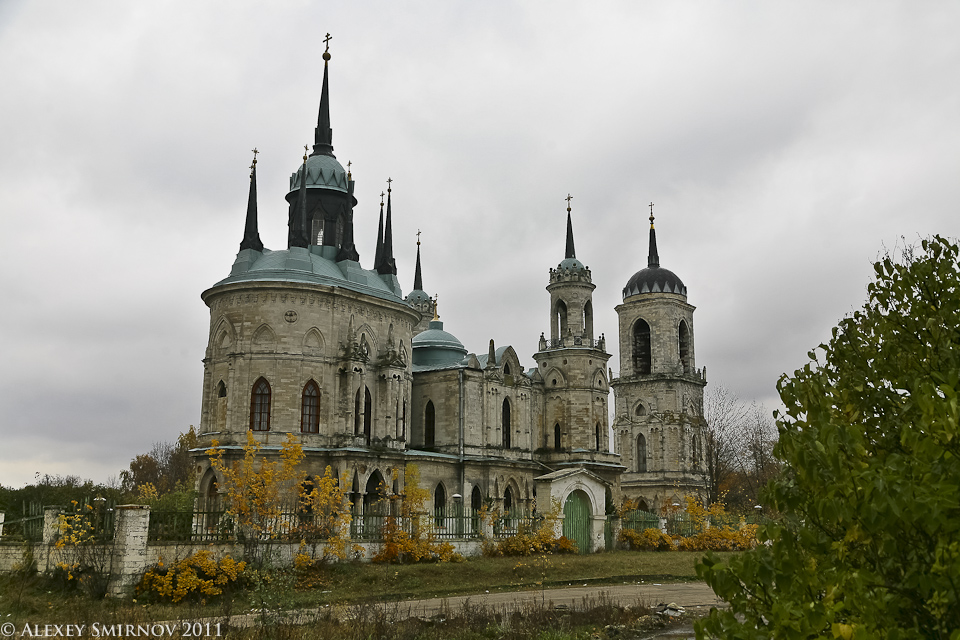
column 197, row 576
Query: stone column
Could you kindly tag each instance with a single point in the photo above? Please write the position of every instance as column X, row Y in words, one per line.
column 129, row 549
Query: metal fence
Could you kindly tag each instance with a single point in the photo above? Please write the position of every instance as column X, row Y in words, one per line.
column 640, row 520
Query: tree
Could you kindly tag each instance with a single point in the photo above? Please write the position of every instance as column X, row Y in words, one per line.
column 868, row 543
column 167, row 467
column 725, row 414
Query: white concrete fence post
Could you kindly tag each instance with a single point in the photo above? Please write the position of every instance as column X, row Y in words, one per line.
column 2, row 516
column 129, row 559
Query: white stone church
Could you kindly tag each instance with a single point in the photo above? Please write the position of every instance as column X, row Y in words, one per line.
column 306, row 341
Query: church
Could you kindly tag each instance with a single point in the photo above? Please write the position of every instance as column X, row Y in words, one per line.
column 306, row 341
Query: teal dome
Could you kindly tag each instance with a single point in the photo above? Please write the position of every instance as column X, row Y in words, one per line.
column 436, row 346
column 417, row 296
column 572, row 264
column 299, row 264
column 323, row 172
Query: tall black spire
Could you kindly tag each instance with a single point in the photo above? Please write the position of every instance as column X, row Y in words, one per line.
column 653, row 258
column 417, row 277
column 323, row 139
column 387, row 264
column 378, row 254
column 251, row 237
column 571, row 252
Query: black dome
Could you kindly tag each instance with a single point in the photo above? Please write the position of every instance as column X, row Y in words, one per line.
column 654, row 280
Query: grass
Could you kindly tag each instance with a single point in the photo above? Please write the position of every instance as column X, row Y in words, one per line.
column 38, row 600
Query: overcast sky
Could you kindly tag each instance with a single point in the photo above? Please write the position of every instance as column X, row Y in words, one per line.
column 783, row 144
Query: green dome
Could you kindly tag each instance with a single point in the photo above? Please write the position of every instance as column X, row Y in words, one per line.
column 436, row 346
column 323, row 172
column 417, row 296
column 572, row 264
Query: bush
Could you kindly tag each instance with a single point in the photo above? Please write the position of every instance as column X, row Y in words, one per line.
column 647, row 540
column 198, row 575
column 527, row 543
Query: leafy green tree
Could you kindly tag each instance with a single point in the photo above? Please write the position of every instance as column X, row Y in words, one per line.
column 868, row 545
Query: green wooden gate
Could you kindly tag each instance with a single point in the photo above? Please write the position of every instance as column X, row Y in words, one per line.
column 576, row 520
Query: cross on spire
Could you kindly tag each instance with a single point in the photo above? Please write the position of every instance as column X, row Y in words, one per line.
column 418, row 237
column 651, row 215
column 255, row 152
column 305, row 149
column 389, row 180
column 382, row 193
column 568, row 199
column 326, row 41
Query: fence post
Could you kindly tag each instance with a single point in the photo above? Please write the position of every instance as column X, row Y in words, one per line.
column 663, row 524
column 51, row 524
column 129, row 548
column 2, row 516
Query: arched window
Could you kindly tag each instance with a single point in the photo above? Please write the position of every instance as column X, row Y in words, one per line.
column 476, row 500
column 260, row 406
column 221, row 390
column 556, row 436
column 440, row 505
column 597, row 435
column 507, row 428
column 363, row 413
column 507, row 500
column 506, row 368
column 684, row 339
column 641, row 454
column 561, row 319
column 640, row 410
column 310, row 408
column 403, row 422
column 641, row 348
column 429, row 425
column 588, row 320
column 697, row 452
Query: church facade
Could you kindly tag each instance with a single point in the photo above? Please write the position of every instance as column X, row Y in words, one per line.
column 306, row 341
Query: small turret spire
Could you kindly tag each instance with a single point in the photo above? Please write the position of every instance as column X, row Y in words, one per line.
column 653, row 258
column 251, row 236
column 378, row 254
column 299, row 236
column 571, row 252
column 323, row 138
column 417, row 277
column 387, row 263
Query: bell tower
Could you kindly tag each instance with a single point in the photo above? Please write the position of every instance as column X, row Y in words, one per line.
column 659, row 394
column 573, row 366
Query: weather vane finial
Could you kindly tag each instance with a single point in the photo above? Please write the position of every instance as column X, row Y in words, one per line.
column 568, row 199
column 651, row 215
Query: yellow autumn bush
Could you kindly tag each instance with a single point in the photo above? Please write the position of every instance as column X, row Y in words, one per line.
column 198, row 575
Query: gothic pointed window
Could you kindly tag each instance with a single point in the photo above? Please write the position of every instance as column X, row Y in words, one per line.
column 429, row 425
column 561, row 314
column 556, row 437
column 684, row 340
column 641, row 454
column 641, row 348
column 440, row 505
column 588, row 320
column 507, row 428
column 597, row 435
column 310, row 408
column 260, row 406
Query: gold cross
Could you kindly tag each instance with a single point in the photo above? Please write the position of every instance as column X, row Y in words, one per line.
column 327, row 41
column 349, row 164
column 305, row 149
